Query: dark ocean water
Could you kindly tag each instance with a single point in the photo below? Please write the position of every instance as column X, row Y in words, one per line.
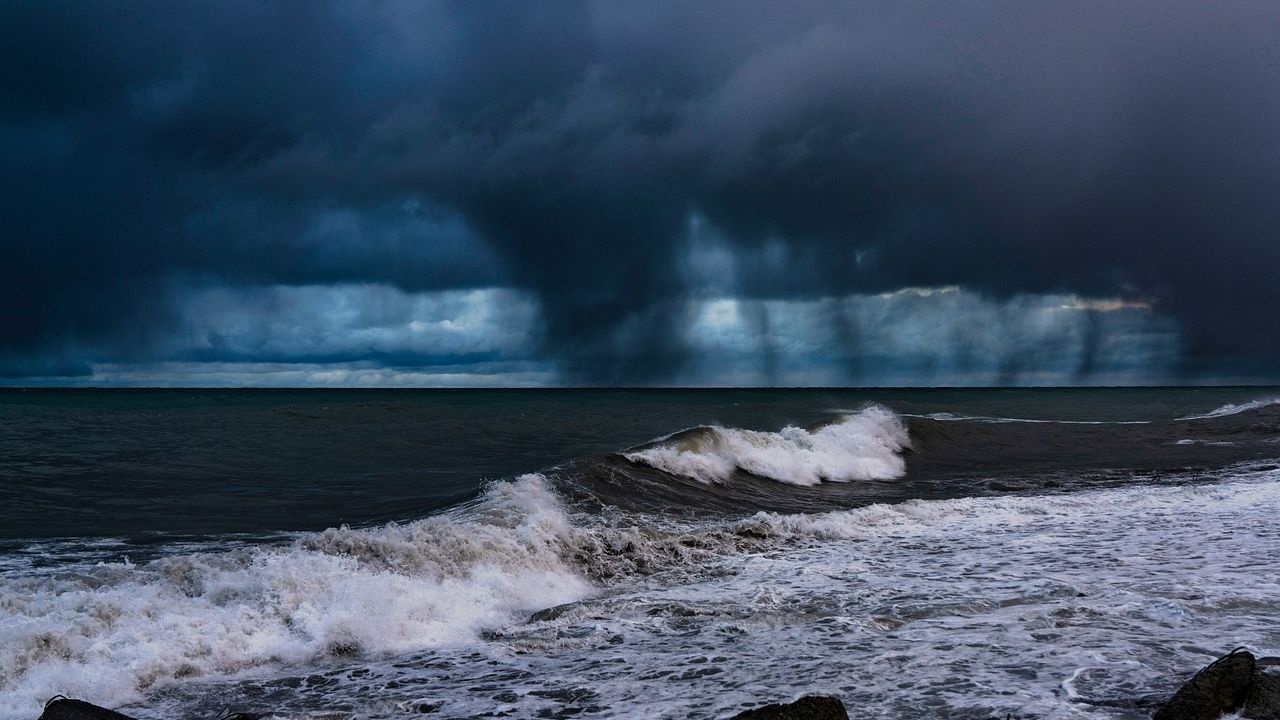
column 1045, row 553
column 128, row 462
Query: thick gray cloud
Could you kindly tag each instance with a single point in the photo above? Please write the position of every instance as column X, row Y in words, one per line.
column 574, row 151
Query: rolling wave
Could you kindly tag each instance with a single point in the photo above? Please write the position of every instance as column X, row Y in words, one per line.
column 116, row 632
column 866, row 445
column 1233, row 409
column 849, row 460
column 112, row 632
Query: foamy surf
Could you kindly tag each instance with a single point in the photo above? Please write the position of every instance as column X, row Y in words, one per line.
column 672, row 592
column 865, row 445
column 116, row 631
column 849, row 581
column 1077, row 605
column 1023, row 606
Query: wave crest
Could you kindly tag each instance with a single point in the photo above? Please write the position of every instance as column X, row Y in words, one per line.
column 113, row 632
column 866, row 445
column 1234, row 409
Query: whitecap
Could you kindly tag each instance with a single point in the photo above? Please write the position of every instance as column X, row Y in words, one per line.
column 1234, row 409
column 866, row 445
column 116, row 631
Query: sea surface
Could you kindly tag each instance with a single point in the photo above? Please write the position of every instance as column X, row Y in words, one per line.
column 1046, row 553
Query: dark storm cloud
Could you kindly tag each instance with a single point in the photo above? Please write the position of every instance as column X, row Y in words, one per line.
column 1108, row 149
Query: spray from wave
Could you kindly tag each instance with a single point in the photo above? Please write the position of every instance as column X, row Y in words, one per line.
column 114, row 631
column 861, row 446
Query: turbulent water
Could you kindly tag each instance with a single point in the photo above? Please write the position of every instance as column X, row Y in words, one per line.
column 921, row 554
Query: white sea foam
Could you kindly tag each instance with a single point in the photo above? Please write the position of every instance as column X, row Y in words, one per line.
column 1089, row 604
column 975, row 607
column 979, row 514
column 865, row 445
column 1234, row 409
column 114, row 631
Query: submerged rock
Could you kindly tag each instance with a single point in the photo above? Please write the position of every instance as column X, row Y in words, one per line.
column 809, row 707
column 1221, row 687
column 66, row 709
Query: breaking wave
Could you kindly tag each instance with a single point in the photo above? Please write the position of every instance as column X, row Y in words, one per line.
column 114, row 631
column 865, row 445
column 1234, row 409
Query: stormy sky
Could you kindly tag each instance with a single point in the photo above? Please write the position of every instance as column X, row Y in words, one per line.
column 501, row 193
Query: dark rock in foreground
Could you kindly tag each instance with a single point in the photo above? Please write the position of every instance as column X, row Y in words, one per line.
column 1263, row 702
column 809, row 707
column 64, row 709
column 61, row 708
column 1233, row 683
column 1219, row 688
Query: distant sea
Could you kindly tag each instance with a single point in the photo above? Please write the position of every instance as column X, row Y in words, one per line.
column 1035, row 553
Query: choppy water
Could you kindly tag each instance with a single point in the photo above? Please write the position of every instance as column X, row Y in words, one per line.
column 921, row 554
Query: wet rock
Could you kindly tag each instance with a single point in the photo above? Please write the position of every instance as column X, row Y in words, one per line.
column 1263, row 702
column 552, row 613
column 61, row 708
column 1219, row 688
column 66, row 709
column 809, row 707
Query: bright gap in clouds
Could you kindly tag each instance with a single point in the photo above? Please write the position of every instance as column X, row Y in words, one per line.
column 931, row 336
column 376, row 335
column 358, row 335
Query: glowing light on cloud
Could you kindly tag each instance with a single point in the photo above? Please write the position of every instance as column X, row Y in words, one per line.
column 375, row 335
column 1105, row 304
column 930, row 336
